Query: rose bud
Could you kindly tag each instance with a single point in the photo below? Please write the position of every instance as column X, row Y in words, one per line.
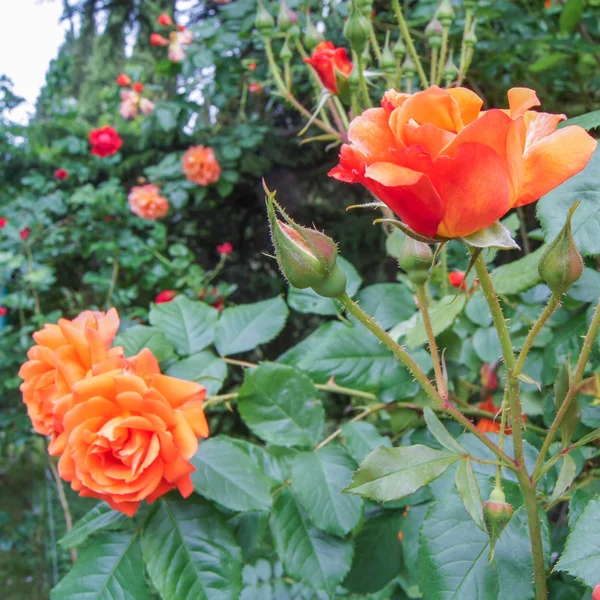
column 357, row 30
column 433, row 33
column 312, row 36
column 307, row 258
column 416, row 259
column 138, row 87
column 496, row 515
column 283, row 18
column 445, row 13
column 264, row 22
column 123, row 80
column 165, row 20
column 561, row 264
column 158, row 40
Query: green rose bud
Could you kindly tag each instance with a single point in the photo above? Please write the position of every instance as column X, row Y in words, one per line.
column 471, row 38
column 408, row 67
column 312, row 36
column 496, row 515
column 387, row 62
column 399, row 49
column 264, row 22
column 357, row 30
column 307, row 258
column 445, row 13
column 450, row 72
column 561, row 264
column 416, row 259
column 285, row 54
column 283, row 18
column 433, row 33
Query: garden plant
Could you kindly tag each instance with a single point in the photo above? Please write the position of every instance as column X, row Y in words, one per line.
column 224, row 397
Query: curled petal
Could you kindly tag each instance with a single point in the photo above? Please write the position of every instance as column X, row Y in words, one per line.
column 520, row 100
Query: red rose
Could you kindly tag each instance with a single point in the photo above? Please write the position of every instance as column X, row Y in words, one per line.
column 255, row 88
column 61, row 174
column 180, row 27
column 138, row 87
column 165, row 20
column 3, row 222
column 3, row 310
column 252, row 66
column 105, row 141
column 225, row 249
column 326, row 59
column 24, row 233
column 165, row 296
column 123, row 80
column 158, row 40
column 596, row 593
column 457, row 280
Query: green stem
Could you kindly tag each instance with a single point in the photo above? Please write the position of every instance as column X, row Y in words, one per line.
column 342, row 112
column 417, row 373
column 444, row 265
column 463, row 48
column 501, row 436
column 363, row 81
column 535, row 329
column 336, row 117
column 434, row 58
column 443, row 55
column 588, row 342
column 409, row 43
column 113, row 282
column 375, row 44
column 433, row 349
column 334, row 388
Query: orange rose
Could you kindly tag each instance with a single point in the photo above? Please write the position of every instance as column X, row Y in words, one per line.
column 447, row 169
column 147, row 203
column 64, row 354
column 200, row 165
column 130, row 434
column 326, row 59
column 492, row 426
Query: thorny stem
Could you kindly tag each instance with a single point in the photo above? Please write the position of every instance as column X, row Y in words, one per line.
column 336, row 117
column 588, row 342
column 375, row 44
column 363, row 81
column 63, row 502
column 433, row 349
column 409, row 43
column 342, row 112
column 443, row 55
column 434, row 58
column 501, row 437
column 444, row 264
column 512, row 391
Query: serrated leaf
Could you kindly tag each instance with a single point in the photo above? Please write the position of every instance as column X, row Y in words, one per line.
column 468, row 489
column 204, row 368
column 191, row 553
column 486, row 344
column 494, row 236
column 138, row 337
column 378, row 553
column 442, row 316
column 588, row 121
column 520, row 275
column 242, row 328
column 188, row 325
column 387, row 303
column 394, row 473
column 566, row 476
column 318, row 479
column 228, row 476
column 308, row 555
column 440, row 433
column 109, row 569
column 361, row 438
column 554, row 206
column 581, row 556
column 281, row 406
column 101, row 518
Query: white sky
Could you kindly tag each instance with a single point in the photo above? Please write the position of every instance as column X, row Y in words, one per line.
column 31, row 35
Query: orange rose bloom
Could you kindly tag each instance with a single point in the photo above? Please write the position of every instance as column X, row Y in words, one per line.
column 200, row 165
column 63, row 354
column 447, row 169
column 147, row 203
column 492, row 426
column 326, row 59
column 130, row 434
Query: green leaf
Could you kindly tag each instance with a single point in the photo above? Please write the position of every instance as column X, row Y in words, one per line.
column 355, row 358
column 587, row 287
column 138, row 337
column 361, row 438
column 494, row 236
column 378, row 554
column 387, row 303
column 440, row 433
column 281, row 406
column 571, row 15
column 394, row 473
column 581, row 556
column 204, row 368
column 478, row 311
column 553, row 208
column 101, row 518
column 243, row 328
column 318, row 479
column 520, row 275
column 190, row 552
column 308, row 555
column 442, row 316
column 588, row 121
column 109, row 569
column 188, row 325
column 228, row 476
column 589, row 490
column 486, row 344
column 308, row 301
column 166, row 114
column 566, row 476
column 467, row 487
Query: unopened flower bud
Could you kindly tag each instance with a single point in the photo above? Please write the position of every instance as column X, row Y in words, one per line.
column 450, row 71
column 433, row 33
column 561, row 264
column 264, row 22
column 408, row 68
column 357, row 30
column 312, row 36
column 286, row 54
column 294, row 32
column 365, row 7
column 496, row 515
column 470, row 4
column 283, row 18
column 399, row 49
column 416, row 259
column 471, row 38
column 445, row 13
column 307, row 258
column 387, row 62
